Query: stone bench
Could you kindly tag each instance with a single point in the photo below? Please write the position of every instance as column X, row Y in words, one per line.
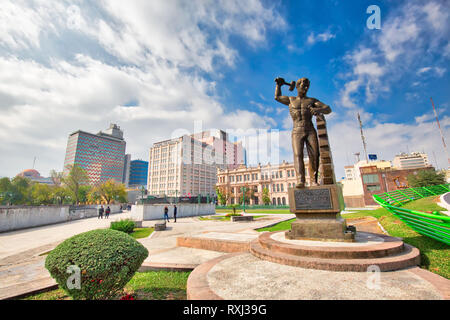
column 160, row 226
column 241, row 218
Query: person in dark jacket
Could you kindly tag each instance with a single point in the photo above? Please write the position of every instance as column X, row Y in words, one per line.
column 100, row 212
column 107, row 211
column 166, row 214
column 175, row 212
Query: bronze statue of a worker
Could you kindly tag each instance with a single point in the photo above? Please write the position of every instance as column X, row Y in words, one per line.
column 302, row 108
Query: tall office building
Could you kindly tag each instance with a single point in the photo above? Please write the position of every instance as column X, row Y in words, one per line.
column 102, row 155
column 187, row 165
column 138, row 173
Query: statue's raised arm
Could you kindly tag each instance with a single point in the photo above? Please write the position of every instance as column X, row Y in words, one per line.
column 282, row 99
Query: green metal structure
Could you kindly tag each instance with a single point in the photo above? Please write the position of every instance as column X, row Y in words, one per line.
column 434, row 225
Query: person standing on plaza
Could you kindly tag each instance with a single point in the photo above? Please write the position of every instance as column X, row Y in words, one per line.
column 175, row 213
column 108, row 211
column 100, row 212
column 166, row 214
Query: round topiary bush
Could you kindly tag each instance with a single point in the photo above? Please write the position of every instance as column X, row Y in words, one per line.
column 105, row 261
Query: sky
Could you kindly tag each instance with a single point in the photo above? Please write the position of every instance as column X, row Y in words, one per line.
column 158, row 67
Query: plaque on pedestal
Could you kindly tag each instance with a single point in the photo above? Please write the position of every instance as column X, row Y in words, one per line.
column 317, row 199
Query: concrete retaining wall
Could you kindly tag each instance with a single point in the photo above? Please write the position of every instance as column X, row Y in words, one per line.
column 444, row 202
column 156, row 211
column 16, row 218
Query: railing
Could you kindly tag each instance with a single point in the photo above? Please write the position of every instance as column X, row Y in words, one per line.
column 434, row 225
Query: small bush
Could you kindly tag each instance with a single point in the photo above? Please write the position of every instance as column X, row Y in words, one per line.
column 107, row 260
column 233, row 215
column 124, row 225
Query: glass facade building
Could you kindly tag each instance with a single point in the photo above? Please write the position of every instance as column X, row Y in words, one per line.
column 138, row 173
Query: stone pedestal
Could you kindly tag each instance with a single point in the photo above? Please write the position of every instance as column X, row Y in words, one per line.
column 317, row 210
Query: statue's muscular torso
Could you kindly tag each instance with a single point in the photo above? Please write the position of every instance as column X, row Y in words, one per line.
column 301, row 111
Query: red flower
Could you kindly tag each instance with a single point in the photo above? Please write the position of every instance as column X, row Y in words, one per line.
column 127, row 297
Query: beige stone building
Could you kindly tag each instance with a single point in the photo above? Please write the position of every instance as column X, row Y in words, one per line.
column 187, row 166
column 276, row 178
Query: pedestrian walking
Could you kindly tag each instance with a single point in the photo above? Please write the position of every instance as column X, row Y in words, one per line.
column 175, row 213
column 100, row 212
column 166, row 214
column 107, row 211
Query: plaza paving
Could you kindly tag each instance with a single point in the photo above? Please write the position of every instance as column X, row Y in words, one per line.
column 22, row 253
column 22, row 257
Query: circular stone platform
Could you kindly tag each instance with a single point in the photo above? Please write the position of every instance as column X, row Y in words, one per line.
column 243, row 276
column 387, row 253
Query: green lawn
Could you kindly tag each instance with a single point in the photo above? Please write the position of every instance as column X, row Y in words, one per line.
column 152, row 285
column 271, row 211
column 141, row 232
column 435, row 255
column 284, row 225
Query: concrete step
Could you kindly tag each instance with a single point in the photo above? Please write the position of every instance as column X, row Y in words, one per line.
column 410, row 257
column 387, row 247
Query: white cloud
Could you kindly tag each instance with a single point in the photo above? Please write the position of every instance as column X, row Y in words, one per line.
column 155, row 53
column 321, row 37
column 408, row 36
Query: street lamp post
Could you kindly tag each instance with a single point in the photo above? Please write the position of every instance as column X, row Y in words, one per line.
column 243, row 195
column 142, row 194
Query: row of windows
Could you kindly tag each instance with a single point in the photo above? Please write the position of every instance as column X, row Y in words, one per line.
column 255, row 176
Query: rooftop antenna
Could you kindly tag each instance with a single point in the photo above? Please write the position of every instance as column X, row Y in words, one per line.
column 435, row 161
column 34, row 161
column 357, row 156
column 363, row 138
column 440, row 130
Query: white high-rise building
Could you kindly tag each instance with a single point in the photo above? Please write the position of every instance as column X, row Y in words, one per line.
column 187, row 166
column 411, row 161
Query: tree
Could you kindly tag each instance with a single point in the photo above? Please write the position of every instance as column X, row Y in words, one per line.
column 41, row 194
column 425, row 178
column 83, row 193
column 95, row 195
column 6, row 191
column 77, row 177
column 109, row 191
column 222, row 195
column 266, row 197
column 249, row 193
column 57, row 177
column 21, row 190
column 60, row 194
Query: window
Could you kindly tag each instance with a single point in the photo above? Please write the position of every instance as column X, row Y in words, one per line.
column 370, row 178
column 372, row 188
column 282, row 187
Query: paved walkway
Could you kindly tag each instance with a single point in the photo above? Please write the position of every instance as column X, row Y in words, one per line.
column 18, row 241
column 22, row 253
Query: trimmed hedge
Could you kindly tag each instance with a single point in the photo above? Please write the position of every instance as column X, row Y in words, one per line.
column 124, row 225
column 107, row 260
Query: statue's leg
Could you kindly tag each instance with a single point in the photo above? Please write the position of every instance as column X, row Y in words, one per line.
column 312, row 146
column 297, row 148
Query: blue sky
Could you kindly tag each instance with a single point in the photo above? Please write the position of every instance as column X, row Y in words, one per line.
column 155, row 67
